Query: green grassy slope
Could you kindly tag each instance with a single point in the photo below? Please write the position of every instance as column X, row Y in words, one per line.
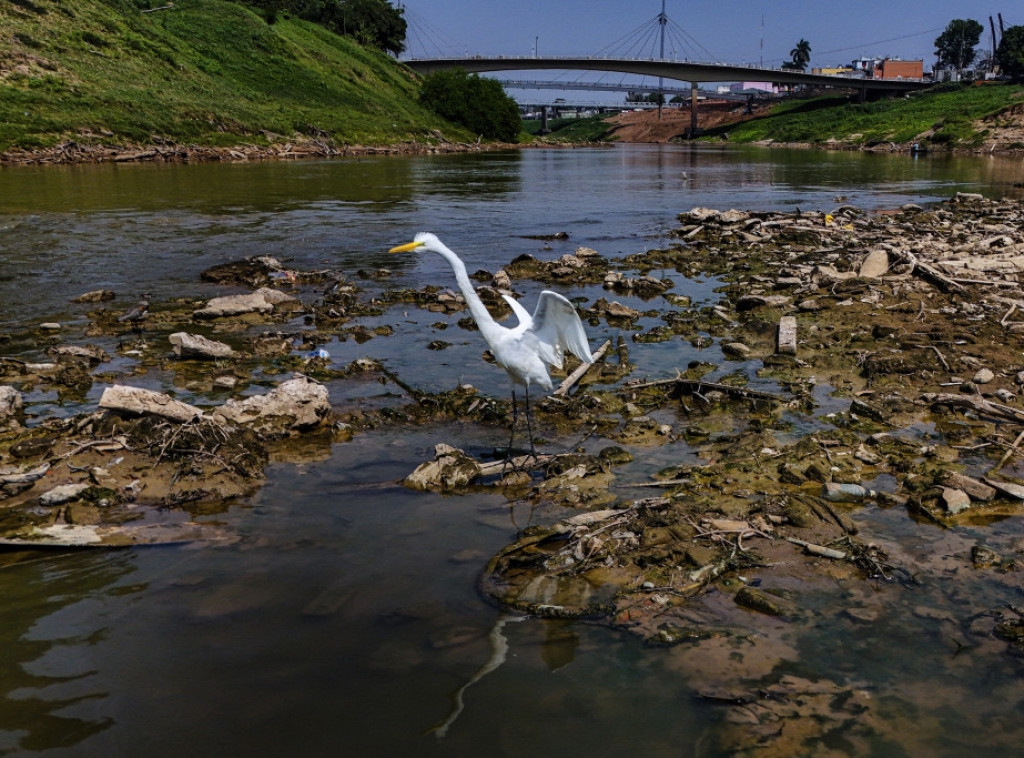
column 942, row 116
column 205, row 71
column 590, row 129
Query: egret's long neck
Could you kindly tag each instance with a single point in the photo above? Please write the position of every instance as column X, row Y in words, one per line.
column 476, row 305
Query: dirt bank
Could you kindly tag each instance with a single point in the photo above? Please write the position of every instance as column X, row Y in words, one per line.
column 1005, row 131
column 647, row 126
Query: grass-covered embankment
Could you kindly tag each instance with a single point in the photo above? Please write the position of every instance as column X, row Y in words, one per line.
column 206, row 72
column 945, row 116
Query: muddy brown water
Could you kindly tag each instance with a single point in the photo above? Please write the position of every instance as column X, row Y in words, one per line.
column 345, row 617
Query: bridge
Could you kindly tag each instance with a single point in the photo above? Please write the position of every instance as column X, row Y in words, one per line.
column 686, row 71
column 640, row 58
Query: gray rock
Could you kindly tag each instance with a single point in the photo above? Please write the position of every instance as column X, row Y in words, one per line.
column 62, row 494
column 977, row 490
column 618, row 310
column 750, row 302
column 295, row 405
column 736, row 349
column 196, row 346
column 955, row 500
column 263, row 300
column 95, row 296
column 120, row 397
column 875, row 265
column 11, row 403
column 450, row 468
column 984, row 376
column 89, row 353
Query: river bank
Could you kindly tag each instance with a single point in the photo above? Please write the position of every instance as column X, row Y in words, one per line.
column 167, row 151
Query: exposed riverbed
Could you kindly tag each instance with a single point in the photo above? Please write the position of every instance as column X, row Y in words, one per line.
column 343, row 611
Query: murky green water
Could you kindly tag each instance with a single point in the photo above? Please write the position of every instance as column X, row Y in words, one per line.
column 346, row 620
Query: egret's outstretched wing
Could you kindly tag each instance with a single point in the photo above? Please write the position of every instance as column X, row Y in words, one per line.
column 525, row 319
column 556, row 323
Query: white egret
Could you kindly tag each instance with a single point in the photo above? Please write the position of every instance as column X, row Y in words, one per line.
column 524, row 351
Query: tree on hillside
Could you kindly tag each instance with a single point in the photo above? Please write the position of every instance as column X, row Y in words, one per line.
column 477, row 103
column 955, row 46
column 1010, row 53
column 370, row 22
column 374, row 22
column 800, row 55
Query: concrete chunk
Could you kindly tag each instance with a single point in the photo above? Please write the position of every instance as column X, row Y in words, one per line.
column 787, row 335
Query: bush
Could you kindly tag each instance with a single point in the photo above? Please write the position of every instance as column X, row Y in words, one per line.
column 478, row 104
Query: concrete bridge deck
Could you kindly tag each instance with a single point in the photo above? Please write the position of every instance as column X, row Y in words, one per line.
column 685, row 71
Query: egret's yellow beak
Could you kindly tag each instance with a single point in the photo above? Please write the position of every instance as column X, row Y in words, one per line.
column 405, row 248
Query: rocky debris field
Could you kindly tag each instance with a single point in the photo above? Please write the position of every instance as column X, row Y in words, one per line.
column 874, row 368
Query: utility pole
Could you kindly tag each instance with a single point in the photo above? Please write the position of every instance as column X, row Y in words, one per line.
column 992, row 58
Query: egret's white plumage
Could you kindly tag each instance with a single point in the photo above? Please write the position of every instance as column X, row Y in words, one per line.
column 524, row 351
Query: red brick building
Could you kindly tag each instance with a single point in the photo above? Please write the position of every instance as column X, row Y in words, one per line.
column 889, row 68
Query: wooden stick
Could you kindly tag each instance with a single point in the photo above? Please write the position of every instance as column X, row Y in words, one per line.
column 575, row 376
column 979, row 404
column 487, row 469
column 929, row 272
column 1008, row 453
column 942, row 358
column 663, row 483
column 696, row 386
column 820, row 550
column 728, row 389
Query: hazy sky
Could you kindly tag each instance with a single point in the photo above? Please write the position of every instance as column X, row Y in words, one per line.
column 725, row 30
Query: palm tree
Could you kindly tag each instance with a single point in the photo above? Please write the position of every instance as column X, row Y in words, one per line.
column 801, row 54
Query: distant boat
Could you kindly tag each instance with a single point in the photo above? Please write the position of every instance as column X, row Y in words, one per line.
column 917, row 148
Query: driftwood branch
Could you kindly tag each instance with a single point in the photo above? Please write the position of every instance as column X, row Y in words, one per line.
column 1009, row 452
column 661, row 483
column 698, row 387
column 575, row 376
column 516, row 464
column 929, row 272
column 979, row 404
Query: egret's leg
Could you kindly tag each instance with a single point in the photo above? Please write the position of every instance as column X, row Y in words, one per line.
column 512, row 436
column 529, row 428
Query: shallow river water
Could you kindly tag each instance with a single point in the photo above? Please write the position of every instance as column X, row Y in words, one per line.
column 346, row 619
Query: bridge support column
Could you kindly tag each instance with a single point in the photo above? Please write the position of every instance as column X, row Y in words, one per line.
column 694, row 130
